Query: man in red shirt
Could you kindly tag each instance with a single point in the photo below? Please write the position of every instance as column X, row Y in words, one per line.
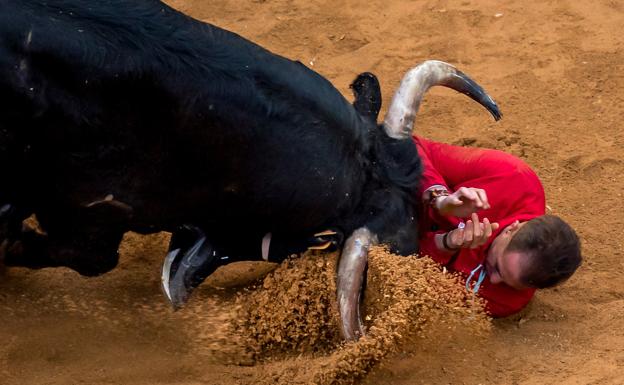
column 516, row 248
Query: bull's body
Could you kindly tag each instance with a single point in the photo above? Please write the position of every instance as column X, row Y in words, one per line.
column 180, row 122
column 125, row 115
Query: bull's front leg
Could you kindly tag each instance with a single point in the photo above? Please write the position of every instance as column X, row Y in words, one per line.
column 190, row 260
column 193, row 256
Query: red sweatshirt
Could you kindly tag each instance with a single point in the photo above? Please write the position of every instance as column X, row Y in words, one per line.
column 514, row 192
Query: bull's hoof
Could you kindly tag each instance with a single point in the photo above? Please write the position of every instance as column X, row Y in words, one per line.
column 191, row 259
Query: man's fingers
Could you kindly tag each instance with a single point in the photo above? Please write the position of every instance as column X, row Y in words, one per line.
column 471, row 195
column 477, row 238
column 487, row 228
column 483, row 196
column 467, row 193
column 457, row 238
column 456, row 201
column 476, row 232
column 468, row 234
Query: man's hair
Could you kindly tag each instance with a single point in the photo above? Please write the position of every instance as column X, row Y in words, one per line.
column 553, row 248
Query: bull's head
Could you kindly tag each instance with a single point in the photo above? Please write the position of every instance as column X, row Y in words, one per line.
column 398, row 124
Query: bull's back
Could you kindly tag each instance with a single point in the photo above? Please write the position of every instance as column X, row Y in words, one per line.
column 175, row 117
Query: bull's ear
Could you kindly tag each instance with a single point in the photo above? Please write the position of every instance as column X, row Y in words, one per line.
column 367, row 95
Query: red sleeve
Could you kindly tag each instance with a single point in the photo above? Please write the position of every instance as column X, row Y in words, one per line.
column 429, row 216
column 512, row 187
column 430, row 174
column 454, row 165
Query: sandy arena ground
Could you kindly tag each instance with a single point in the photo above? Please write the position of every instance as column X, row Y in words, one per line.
column 555, row 68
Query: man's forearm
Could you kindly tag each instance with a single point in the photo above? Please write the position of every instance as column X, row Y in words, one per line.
column 442, row 244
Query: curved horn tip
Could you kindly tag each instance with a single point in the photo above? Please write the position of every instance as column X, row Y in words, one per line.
column 496, row 113
column 399, row 119
column 464, row 84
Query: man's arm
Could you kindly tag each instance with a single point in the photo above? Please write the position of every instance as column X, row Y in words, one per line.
column 435, row 192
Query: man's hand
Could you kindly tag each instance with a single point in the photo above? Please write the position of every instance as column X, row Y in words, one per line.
column 463, row 202
column 473, row 235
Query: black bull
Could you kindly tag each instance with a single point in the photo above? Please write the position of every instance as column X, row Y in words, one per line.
column 128, row 115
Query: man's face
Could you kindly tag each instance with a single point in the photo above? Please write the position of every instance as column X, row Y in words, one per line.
column 505, row 266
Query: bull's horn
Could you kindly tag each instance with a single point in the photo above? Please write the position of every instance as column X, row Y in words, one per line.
column 405, row 102
column 351, row 270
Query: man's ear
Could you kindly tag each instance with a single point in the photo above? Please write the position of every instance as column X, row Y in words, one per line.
column 514, row 226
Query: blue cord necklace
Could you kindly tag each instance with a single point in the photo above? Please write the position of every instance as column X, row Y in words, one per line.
column 477, row 284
